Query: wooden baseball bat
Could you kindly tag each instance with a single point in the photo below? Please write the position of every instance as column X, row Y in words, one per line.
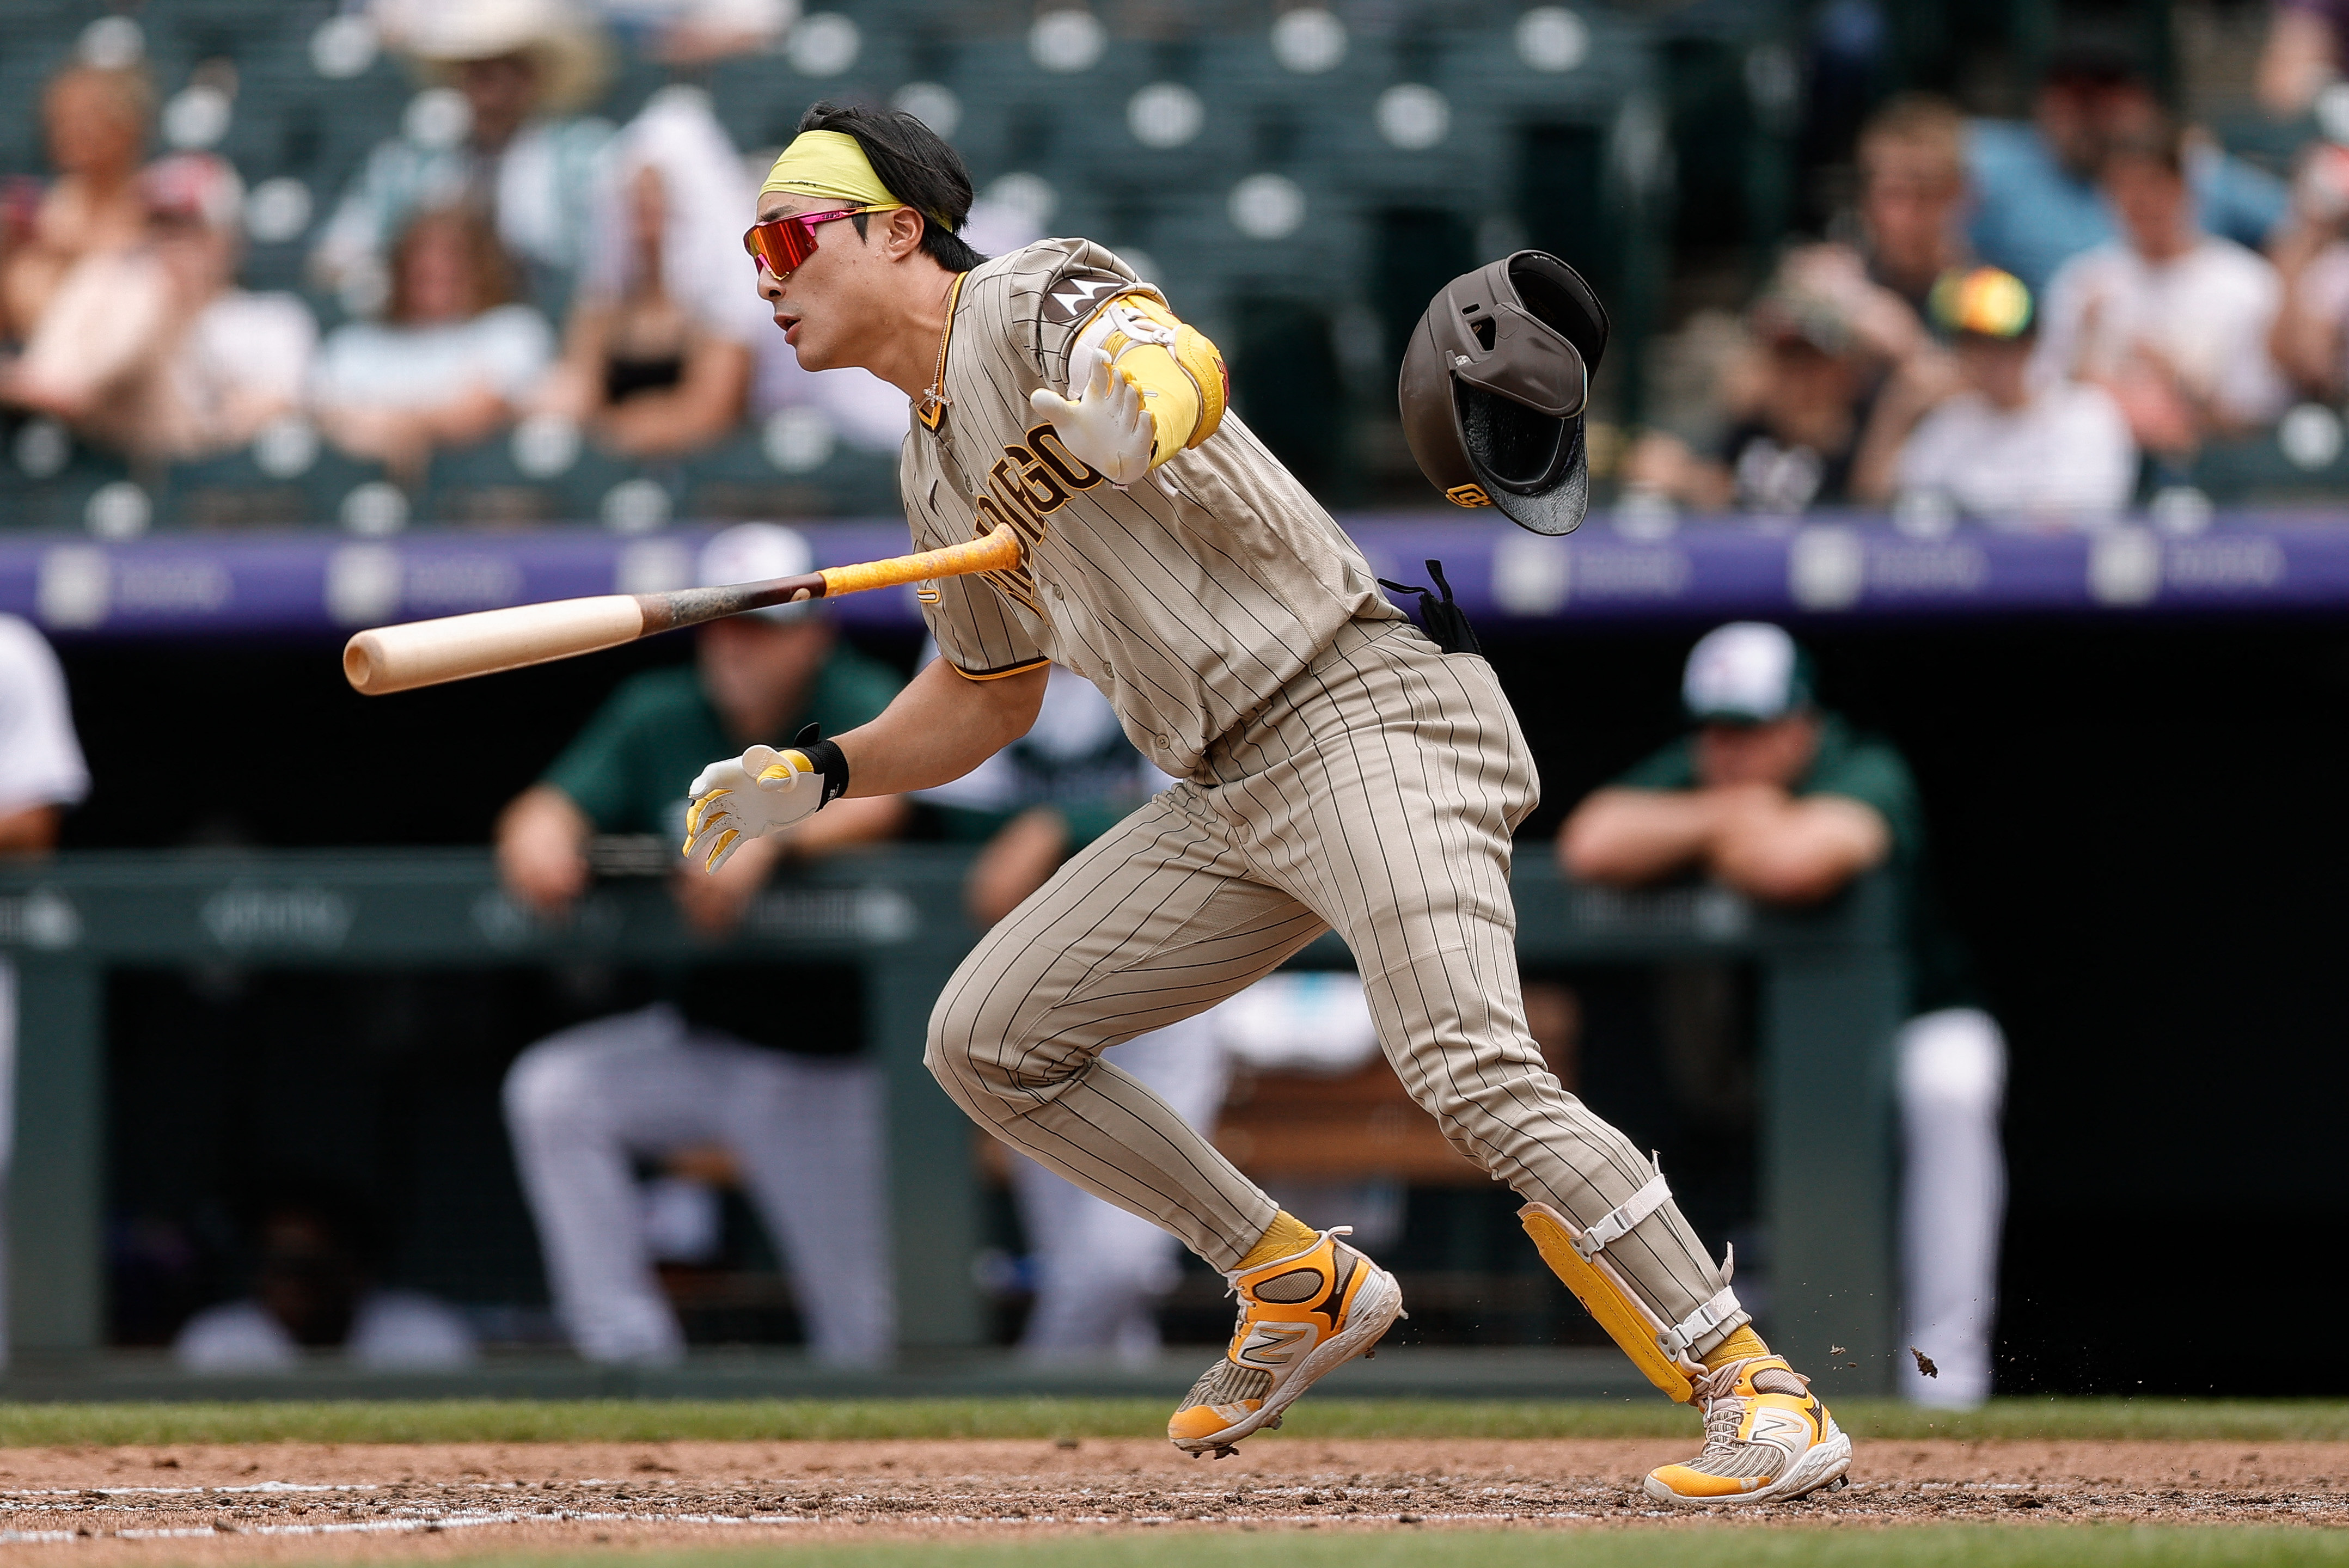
column 427, row 653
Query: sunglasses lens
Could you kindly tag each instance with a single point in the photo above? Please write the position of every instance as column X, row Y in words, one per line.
column 783, row 245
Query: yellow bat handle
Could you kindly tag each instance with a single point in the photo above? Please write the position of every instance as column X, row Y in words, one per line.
column 997, row 552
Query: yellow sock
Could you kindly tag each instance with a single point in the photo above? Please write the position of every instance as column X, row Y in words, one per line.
column 1286, row 1237
column 1738, row 1346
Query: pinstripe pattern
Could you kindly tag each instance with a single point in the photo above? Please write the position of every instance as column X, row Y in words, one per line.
column 1341, row 773
column 1189, row 598
column 1376, row 795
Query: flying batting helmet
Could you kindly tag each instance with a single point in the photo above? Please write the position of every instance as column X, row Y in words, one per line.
column 1494, row 386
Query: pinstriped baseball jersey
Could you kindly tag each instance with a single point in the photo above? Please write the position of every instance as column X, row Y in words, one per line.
column 1341, row 773
column 1189, row 598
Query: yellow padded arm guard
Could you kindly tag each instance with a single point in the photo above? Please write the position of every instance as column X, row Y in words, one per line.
column 1179, row 372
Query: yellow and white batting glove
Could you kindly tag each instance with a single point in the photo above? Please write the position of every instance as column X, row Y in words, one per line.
column 762, row 791
column 1107, row 426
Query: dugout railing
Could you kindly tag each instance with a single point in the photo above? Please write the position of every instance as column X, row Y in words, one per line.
column 1830, row 983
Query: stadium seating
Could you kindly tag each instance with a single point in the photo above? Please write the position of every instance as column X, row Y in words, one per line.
column 1245, row 185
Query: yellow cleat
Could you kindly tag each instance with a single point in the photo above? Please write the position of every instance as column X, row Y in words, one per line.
column 1766, row 1439
column 1300, row 1316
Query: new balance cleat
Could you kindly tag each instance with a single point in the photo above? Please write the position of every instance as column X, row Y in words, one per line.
column 1300, row 1316
column 1768, row 1438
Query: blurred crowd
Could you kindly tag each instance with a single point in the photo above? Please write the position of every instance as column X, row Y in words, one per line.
column 2044, row 318
column 2035, row 321
column 525, row 259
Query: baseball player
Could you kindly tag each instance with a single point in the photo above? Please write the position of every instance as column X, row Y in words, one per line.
column 1337, row 769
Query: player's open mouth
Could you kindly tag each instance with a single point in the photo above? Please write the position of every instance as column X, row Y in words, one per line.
column 788, row 321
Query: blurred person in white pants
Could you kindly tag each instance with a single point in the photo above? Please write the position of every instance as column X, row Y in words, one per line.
column 1950, row 1077
column 806, row 1142
column 41, row 774
column 1784, row 802
column 715, row 1067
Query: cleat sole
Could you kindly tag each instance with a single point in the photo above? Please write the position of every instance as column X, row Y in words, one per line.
column 1821, row 1464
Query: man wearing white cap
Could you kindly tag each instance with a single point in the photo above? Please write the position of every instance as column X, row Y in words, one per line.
column 1782, row 800
column 702, row 1069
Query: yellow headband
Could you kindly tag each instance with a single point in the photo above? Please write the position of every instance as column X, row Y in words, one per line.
column 831, row 165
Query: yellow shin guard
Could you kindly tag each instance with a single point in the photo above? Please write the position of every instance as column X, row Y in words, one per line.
column 1659, row 1349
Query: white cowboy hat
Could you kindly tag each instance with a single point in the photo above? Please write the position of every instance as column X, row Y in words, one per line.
column 440, row 35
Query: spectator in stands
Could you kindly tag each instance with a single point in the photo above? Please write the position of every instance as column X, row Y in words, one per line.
column 658, row 354
column 772, row 1084
column 95, row 120
column 2309, row 340
column 2001, row 443
column 2170, row 320
column 154, row 351
column 1785, row 802
column 42, row 775
column 1912, row 194
column 696, row 32
column 2303, row 55
column 526, row 157
column 450, row 363
column 1798, row 398
column 1836, row 322
column 2036, row 193
column 315, row 1289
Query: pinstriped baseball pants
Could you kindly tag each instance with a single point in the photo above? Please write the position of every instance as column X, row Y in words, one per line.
column 1375, row 796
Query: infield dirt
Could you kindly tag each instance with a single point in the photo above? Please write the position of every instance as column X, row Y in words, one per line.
column 265, row 1502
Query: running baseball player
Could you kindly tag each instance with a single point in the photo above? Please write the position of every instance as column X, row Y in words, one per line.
column 1337, row 767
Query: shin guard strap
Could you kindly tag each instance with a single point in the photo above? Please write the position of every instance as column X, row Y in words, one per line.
column 1682, row 1336
column 1617, row 1224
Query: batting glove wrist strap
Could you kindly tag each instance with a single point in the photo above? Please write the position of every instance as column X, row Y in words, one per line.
column 824, row 757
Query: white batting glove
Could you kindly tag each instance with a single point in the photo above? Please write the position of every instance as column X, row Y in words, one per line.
column 762, row 791
column 1108, row 426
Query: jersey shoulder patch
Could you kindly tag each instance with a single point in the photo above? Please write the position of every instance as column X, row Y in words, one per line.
column 1076, row 296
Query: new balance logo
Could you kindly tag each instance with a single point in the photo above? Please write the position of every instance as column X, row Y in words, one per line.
column 1274, row 1344
column 1783, row 1427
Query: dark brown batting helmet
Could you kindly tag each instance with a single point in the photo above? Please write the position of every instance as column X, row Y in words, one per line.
column 1494, row 386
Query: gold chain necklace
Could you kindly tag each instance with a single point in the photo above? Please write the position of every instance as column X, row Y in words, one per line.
column 932, row 408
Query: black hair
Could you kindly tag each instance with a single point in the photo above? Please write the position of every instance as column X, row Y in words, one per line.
column 919, row 168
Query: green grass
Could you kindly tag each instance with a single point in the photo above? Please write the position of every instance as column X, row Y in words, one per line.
column 1931, row 1546
column 653, row 1420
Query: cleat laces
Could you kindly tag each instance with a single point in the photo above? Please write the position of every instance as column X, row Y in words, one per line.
column 1725, row 1452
